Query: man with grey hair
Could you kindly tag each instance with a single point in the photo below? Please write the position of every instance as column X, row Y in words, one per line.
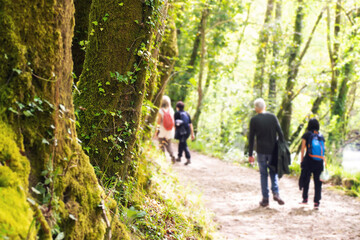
column 265, row 126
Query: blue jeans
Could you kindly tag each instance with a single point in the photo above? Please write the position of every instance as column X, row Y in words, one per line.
column 263, row 160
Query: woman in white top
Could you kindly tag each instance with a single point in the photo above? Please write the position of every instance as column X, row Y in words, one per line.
column 164, row 133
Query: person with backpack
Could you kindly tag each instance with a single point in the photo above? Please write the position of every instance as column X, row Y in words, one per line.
column 184, row 129
column 313, row 161
column 166, row 126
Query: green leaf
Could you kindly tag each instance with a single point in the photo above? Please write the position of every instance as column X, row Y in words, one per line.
column 44, row 141
column 44, row 173
column 95, row 23
column 27, row 113
column 121, row 4
column 31, row 201
column 18, row 71
column 47, row 181
column 60, row 236
column 35, row 191
column 72, row 217
column 12, row 110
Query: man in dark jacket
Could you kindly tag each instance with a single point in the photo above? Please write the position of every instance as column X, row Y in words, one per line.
column 265, row 126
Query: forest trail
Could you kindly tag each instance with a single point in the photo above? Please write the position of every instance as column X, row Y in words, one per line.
column 232, row 193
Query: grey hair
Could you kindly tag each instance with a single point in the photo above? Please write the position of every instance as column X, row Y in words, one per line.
column 166, row 102
column 260, row 104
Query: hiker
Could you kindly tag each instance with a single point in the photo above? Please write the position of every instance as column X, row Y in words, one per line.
column 184, row 129
column 265, row 127
column 165, row 129
column 313, row 161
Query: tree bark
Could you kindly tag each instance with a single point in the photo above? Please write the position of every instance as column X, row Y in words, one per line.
column 38, row 141
column 196, row 116
column 294, row 63
column 334, row 56
column 168, row 53
column 274, row 76
column 113, row 80
column 262, row 51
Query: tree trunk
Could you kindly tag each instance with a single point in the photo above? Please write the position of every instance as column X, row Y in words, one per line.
column 294, row 63
column 112, row 84
column 168, row 53
column 45, row 175
column 151, row 85
column 196, row 117
column 80, row 39
column 286, row 105
column 334, row 56
column 274, row 76
column 262, row 51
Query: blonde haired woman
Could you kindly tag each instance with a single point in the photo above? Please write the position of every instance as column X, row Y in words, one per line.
column 165, row 130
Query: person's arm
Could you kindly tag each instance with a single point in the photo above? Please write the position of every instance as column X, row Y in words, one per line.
column 192, row 131
column 279, row 131
column 303, row 146
column 251, row 141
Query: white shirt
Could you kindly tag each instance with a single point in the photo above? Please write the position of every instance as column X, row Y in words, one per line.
column 163, row 133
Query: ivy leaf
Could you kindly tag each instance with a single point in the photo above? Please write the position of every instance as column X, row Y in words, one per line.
column 72, row 217
column 31, row 201
column 12, row 110
column 27, row 113
column 18, row 71
column 60, row 236
column 35, row 191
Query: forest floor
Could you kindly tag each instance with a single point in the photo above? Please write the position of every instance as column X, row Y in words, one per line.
column 232, row 193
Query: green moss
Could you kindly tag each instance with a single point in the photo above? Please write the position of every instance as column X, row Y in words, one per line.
column 113, row 47
column 16, row 215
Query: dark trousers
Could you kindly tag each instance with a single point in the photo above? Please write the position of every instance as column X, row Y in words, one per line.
column 316, row 175
column 184, row 147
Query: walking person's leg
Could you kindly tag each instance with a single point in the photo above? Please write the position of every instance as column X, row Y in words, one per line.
column 180, row 150
column 274, row 182
column 261, row 158
column 318, row 185
column 162, row 142
column 170, row 150
column 306, row 185
column 187, row 154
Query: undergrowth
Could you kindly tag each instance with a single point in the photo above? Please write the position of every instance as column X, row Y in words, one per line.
column 153, row 204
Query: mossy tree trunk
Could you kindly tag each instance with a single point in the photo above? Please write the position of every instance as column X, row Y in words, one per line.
column 168, row 53
column 200, row 90
column 82, row 11
column 334, row 52
column 274, row 75
column 38, row 142
column 262, row 50
column 294, row 63
column 113, row 80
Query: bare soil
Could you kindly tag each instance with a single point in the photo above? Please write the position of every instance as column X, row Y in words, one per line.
column 233, row 193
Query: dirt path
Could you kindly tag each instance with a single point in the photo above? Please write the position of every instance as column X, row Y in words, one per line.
column 233, row 194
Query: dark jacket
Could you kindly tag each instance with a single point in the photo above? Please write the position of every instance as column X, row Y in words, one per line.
column 281, row 159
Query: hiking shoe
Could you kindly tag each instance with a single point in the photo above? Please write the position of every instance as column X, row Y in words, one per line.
column 178, row 159
column 264, row 202
column 304, row 201
column 173, row 159
column 316, row 206
column 188, row 161
column 278, row 199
